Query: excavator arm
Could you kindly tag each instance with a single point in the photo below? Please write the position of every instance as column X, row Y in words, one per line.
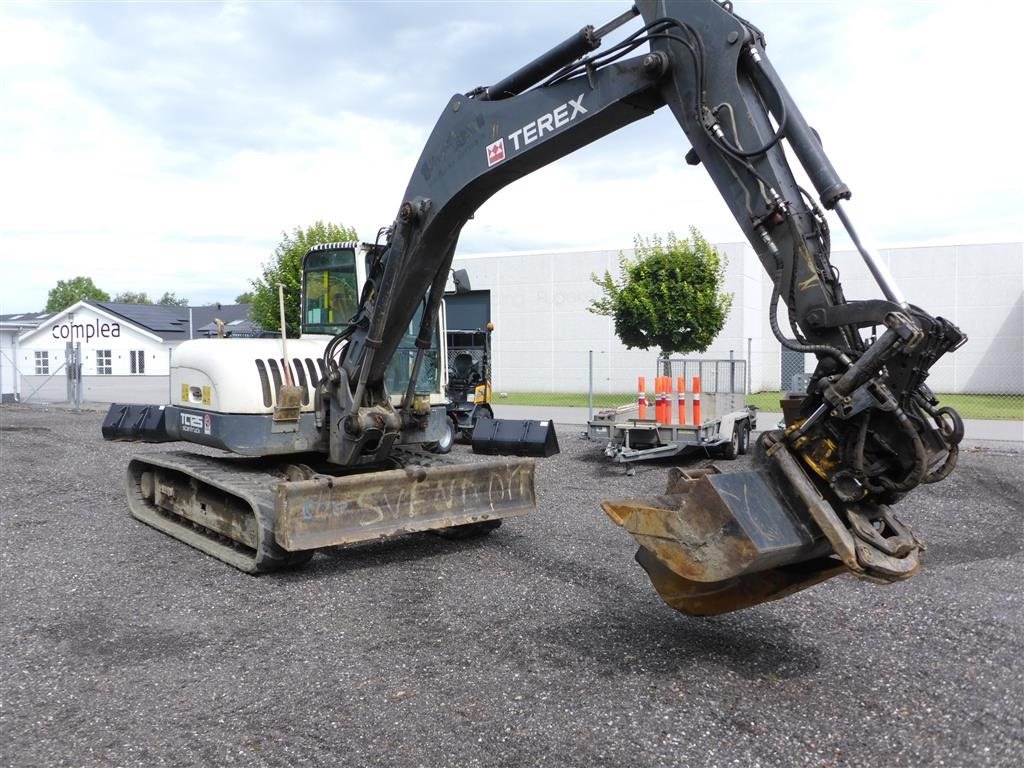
column 868, row 430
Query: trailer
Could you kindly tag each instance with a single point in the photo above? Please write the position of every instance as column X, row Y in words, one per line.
column 720, row 424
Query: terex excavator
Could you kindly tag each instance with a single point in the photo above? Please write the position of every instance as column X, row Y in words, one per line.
column 867, row 432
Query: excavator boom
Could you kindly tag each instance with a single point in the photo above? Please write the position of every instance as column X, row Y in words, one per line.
column 868, row 430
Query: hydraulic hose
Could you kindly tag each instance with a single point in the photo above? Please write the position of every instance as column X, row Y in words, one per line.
column 814, row 349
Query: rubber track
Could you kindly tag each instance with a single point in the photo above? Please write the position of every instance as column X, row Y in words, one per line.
column 254, row 485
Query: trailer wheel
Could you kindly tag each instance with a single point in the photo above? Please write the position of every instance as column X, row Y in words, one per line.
column 731, row 449
column 744, row 446
column 444, row 445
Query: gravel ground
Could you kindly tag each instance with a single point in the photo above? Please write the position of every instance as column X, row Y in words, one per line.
column 542, row 644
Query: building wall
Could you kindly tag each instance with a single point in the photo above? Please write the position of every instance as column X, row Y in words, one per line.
column 97, row 389
column 95, row 332
column 544, row 334
column 980, row 288
column 9, row 379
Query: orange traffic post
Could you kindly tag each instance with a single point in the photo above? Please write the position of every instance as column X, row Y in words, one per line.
column 666, row 408
column 696, row 400
column 681, row 397
column 641, row 397
column 657, row 399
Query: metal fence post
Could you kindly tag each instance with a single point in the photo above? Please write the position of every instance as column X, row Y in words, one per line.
column 590, row 385
column 69, row 371
column 750, row 364
column 78, row 376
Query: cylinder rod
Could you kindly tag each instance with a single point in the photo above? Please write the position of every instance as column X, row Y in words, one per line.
column 617, row 22
column 878, row 268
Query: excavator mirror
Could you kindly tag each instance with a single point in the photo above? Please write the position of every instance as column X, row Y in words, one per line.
column 460, row 278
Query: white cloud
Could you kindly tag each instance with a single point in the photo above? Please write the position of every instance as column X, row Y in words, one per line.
column 166, row 147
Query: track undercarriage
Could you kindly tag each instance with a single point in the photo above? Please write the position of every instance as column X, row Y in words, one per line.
column 261, row 515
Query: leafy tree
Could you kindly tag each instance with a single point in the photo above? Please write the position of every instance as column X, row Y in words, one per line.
column 285, row 266
column 668, row 297
column 67, row 292
column 130, row 297
column 170, row 299
column 245, row 298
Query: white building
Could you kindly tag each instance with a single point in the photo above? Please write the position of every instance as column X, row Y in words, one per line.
column 125, row 349
column 11, row 327
column 544, row 334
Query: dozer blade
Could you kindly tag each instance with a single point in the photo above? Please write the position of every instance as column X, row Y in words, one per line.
column 331, row 511
column 715, row 543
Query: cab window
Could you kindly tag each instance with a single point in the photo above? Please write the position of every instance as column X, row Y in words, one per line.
column 330, row 293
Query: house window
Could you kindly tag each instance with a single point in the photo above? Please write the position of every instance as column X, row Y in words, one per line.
column 42, row 363
column 138, row 361
column 104, row 367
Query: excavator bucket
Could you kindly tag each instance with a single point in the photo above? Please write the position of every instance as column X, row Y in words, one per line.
column 715, row 542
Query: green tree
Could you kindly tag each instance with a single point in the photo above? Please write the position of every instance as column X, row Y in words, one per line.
column 67, row 292
column 285, row 266
column 130, row 297
column 668, row 297
column 245, row 298
column 170, row 299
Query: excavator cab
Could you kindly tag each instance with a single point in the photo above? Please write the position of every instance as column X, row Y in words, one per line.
column 331, row 277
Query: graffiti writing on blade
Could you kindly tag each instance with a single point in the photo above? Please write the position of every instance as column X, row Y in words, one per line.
column 430, row 498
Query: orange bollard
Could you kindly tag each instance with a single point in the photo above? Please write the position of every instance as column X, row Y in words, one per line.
column 641, row 397
column 696, row 400
column 681, row 397
column 657, row 399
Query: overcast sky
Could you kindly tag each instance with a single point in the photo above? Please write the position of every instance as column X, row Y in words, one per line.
column 158, row 147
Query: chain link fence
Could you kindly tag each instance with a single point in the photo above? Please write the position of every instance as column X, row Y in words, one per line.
column 987, row 386
column 586, row 379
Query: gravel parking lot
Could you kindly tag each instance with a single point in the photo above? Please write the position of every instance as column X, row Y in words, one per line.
column 542, row 644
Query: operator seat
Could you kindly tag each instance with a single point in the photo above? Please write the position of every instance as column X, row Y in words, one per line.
column 464, row 370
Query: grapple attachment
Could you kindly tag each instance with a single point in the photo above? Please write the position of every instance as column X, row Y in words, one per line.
column 715, row 543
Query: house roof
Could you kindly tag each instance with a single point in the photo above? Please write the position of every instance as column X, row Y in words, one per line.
column 241, row 328
column 172, row 323
column 22, row 320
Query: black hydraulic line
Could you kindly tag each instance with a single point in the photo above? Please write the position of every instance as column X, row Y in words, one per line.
column 773, row 321
column 918, row 472
column 597, row 60
column 775, row 139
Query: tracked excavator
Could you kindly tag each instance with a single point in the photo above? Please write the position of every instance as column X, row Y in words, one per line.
column 343, row 464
